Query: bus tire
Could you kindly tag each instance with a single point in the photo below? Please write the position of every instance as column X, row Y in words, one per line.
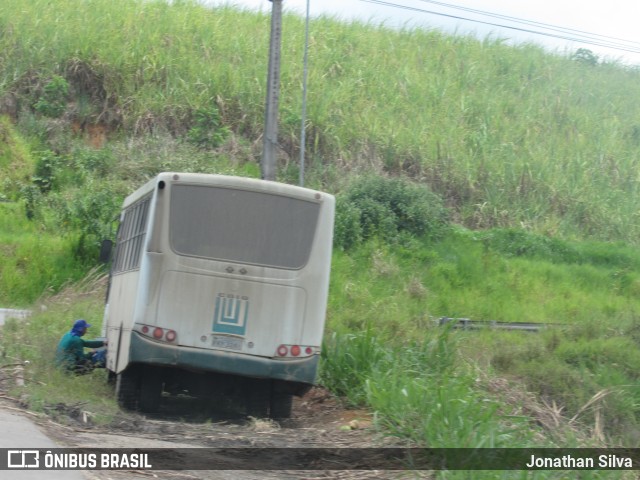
column 281, row 405
column 257, row 399
column 150, row 391
column 128, row 388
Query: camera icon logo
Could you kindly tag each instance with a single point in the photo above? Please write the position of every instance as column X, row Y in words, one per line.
column 23, row 459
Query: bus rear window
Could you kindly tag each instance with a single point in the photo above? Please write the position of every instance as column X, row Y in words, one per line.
column 242, row 226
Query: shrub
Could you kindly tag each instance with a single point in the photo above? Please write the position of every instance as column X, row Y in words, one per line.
column 207, row 130
column 89, row 211
column 52, row 102
column 387, row 208
column 347, row 231
column 32, row 198
column 43, row 176
column 93, row 162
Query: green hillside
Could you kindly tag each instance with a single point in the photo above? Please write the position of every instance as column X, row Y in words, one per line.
column 474, row 179
column 509, row 136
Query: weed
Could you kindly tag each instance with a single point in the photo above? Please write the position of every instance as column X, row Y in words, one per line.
column 53, row 100
column 348, row 361
column 207, row 130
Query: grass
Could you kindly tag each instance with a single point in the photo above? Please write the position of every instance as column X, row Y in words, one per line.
column 33, row 261
column 16, row 162
column 384, row 306
column 432, row 386
column 507, row 135
column 402, row 287
column 32, row 342
column 531, row 153
column 417, row 391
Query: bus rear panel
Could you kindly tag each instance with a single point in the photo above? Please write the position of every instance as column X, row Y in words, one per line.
column 219, row 283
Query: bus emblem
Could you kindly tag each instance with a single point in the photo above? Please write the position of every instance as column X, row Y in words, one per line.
column 231, row 314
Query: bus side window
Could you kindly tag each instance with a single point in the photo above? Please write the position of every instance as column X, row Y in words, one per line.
column 131, row 239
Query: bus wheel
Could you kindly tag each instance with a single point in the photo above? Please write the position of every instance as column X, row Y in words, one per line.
column 281, row 404
column 128, row 388
column 150, row 391
column 257, row 398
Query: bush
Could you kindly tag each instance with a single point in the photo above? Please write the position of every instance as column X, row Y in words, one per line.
column 44, row 174
column 94, row 162
column 387, row 208
column 52, row 102
column 207, row 130
column 90, row 211
column 347, row 231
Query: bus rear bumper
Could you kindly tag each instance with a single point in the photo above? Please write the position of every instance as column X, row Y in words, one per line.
column 149, row 352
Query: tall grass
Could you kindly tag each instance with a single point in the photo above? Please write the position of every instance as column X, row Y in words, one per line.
column 508, row 135
column 422, row 392
column 16, row 163
column 402, row 288
column 387, row 349
column 33, row 260
column 417, row 391
column 32, row 343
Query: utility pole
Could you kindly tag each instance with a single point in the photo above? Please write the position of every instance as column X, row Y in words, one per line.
column 303, row 129
column 270, row 143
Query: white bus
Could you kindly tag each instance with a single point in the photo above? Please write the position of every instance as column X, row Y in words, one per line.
column 218, row 287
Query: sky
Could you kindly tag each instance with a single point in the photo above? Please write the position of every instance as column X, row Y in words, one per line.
column 615, row 21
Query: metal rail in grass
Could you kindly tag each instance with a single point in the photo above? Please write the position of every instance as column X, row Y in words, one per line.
column 468, row 324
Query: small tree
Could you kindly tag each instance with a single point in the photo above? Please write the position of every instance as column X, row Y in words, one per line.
column 586, row 56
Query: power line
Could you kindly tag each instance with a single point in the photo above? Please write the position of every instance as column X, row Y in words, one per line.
column 531, row 22
column 588, row 41
column 579, row 35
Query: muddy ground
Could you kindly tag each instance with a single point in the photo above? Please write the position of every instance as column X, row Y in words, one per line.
column 318, row 420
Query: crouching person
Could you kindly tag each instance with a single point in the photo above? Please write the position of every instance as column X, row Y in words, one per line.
column 70, row 353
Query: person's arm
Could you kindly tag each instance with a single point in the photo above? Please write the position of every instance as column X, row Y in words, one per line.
column 93, row 343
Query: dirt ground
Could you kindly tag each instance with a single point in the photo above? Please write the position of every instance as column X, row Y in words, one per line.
column 318, row 420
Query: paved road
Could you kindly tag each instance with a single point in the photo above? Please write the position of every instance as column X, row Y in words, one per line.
column 17, row 431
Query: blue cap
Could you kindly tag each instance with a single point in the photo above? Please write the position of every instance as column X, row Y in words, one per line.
column 82, row 323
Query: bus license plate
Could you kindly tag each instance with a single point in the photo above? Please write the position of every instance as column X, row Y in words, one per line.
column 229, row 343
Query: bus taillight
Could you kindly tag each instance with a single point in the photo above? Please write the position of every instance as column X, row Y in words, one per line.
column 289, row 351
column 157, row 333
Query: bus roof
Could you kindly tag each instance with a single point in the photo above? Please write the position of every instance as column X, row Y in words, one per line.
column 228, row 181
